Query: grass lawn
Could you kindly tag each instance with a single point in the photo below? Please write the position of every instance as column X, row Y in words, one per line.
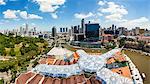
column 88, row 50
column 7, row 51
column 17, row 48
column 40, row 44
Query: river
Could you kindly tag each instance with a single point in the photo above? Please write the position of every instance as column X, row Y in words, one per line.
column 142, row 62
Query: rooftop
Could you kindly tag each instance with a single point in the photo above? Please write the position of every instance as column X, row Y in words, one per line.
column 55, row 71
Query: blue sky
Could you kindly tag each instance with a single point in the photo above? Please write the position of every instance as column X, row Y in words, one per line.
column 63, row 13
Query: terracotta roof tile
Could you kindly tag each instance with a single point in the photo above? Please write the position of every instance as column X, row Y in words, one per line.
column 72, row 80
column 36, row 79
column 48, row 81
column 57, row 62
column 80, row 79
column 57, row 81
column 88, row 82
column 68, row 81
column 64, row 81
column 50, row 61
column 124, row 71
column 94, row 81
column 66, row 63
column 24, row 77
column 42, row 61
column 62, row 62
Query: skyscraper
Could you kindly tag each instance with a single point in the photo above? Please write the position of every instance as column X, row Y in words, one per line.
column 92, row 31
column 54, row 33
column 61, row 30
column 26, row 29
column 66, row 29
column 83, row 27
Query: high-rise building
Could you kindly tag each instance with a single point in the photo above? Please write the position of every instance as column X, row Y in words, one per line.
column 75, row 29
column 82, row 30
column 61, row 30
column 66, row 29
column 34, row 31
column 26, row 29
column 92, row 31
column 21, row 31
column 122, row 30
column 113, row 27
column 137, row 29
column 82, row 26
column 54, row 32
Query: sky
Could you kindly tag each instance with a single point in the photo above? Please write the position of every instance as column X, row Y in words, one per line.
column 44, row 14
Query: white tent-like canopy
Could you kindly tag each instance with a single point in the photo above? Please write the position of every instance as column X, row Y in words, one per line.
column 110, row 53
column 59, row 51
column 87, row 63
column 58, row 70
column 91, row 63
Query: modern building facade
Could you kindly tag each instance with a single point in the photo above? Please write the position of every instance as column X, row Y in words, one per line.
column 54, row 32
column 92, row 31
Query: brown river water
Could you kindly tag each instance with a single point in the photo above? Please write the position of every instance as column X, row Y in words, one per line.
column 142, row 62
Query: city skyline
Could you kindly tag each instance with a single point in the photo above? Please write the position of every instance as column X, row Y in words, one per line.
column 44, row 14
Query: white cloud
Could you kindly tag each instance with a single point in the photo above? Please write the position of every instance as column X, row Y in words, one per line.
column 114, row 12
column 140, row 22
column 115, row 17
column 95, row 20
column 99, row 14
column 14, row 14
column 114, row 8
column 10, row 14
column 54, row 15
column 81, row 15
column 50, row 6
column 2, row 2
column 101, row 3
column 33, row 24
column 25, row 15
column 3, row 21
column 33, row 16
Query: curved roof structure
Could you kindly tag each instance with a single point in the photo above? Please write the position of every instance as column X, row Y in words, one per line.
column 110, row 53
column 59, row 51
column 58, row 70
column 88, row 63
column 91, row 63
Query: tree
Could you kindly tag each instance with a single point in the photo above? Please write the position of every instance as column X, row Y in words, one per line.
column 121, row 42
column 12, row 52
column 2, row 49
column 1, row 81
column 141, row 45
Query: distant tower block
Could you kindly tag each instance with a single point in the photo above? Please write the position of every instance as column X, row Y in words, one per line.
column 61, row 30
column 54, row 33
column 83, row 27
column 66, row 29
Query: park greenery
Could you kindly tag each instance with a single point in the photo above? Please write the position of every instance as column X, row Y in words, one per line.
column 1, row 81
column 134, row 44
column 88, row 50
column 20, row 51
